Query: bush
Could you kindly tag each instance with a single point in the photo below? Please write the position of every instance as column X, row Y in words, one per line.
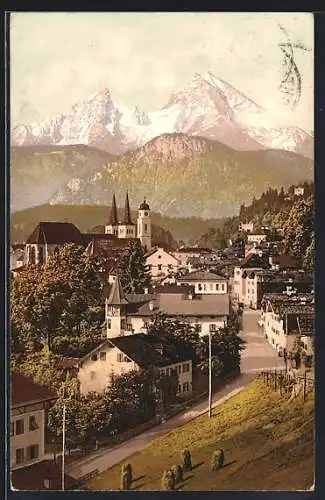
column 187, row 461
column 126, row 476
column 178, row 473
column 125, row 481
column 217, row 460
column 128, row 469
column 168, row 480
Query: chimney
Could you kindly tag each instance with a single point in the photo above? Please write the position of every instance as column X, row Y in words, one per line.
column 151, row 305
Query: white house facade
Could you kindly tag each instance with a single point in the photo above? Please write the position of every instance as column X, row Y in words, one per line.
column 27, row 420
column 205, row 282
column 161, row 263
column 121, row 355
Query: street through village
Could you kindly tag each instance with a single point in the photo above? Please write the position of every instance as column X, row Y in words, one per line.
column 258, row 355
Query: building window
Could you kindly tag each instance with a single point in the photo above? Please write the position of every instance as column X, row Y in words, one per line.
column 47, row 484
column 41, row 255
column 19, row 427
column 32, row 452
column 109, row 324
column 146, row 214
column 159, row 256
column 200, row 287
column 222, row 287
column 102, row 356
column 32, row 423
column 94, row 357
column 120, row 357
column 20, row 455
column 159, row 267
column 186, row 367
column 179, row 388
column 217, row 287
column 186, row 387
column 179, row 369
column 12, row 429
column 205, row 287
column 32, row 258
column 212, row 327
column 198, row 327
column 145, row 227
column 211, row 287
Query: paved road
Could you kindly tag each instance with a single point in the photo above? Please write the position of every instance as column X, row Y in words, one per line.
column 257, row 355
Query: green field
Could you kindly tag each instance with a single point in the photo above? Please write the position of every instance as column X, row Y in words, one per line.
column 268, row 444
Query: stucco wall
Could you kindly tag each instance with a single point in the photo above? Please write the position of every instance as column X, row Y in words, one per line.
column 28, row 438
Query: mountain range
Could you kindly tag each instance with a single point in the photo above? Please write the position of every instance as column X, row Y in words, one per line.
column 207, row 107
column 184, row 176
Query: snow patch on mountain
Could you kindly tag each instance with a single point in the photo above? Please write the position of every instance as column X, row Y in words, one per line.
column 208, row 107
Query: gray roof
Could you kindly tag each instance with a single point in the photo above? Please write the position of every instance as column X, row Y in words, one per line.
column 178, row 305
column 199, row 305
column 201, row 276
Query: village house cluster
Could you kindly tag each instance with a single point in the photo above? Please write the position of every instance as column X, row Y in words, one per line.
column 184, row 285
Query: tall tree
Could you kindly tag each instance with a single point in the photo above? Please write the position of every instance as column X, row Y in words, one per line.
column 56, row 299
column 135, row 274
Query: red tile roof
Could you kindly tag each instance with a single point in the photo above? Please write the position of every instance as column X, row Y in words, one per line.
column 25, row 390
column 69, row 362
column 32, row 477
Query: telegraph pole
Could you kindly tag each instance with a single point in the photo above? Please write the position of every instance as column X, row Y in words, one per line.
column 63, row 446
column 210, row 376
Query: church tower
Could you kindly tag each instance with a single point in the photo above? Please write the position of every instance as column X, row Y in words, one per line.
column 115, row 310
column 144, row 225
column 126, row 228
column 112, row 224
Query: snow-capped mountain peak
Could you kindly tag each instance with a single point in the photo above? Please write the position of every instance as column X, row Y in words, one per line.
column 207, row 106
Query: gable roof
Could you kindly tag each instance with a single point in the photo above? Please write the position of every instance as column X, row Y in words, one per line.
column 55, row 233
column 149, row 350
column 201, row 276
column 106, row 244
column 24, row 390
column 159, row 249
column 254, row 261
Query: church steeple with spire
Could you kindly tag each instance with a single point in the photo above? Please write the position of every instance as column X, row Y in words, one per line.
column 126, row 227
column 112, row 224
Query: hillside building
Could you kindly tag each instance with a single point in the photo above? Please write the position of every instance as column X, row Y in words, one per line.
column 131, row 313
column 120, row 355
column 288, row 318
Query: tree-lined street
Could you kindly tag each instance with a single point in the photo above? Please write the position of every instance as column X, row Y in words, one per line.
column 258, row 355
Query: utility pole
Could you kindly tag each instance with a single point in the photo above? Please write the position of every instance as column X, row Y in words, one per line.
column 63, row 446
column 210, row 375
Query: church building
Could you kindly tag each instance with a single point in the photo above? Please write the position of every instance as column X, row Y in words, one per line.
column 126, row 228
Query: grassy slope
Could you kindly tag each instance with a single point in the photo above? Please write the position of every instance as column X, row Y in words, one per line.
column 268, row 444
